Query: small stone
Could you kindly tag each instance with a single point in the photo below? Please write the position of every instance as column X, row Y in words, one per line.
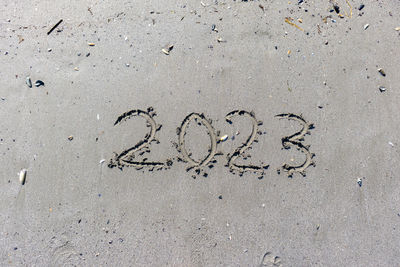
column 70, row 138
column 382, row 89
column 336, row 8
column 49, row 49
column 366, row 26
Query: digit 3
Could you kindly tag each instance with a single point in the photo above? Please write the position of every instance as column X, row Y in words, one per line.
column 296, row 140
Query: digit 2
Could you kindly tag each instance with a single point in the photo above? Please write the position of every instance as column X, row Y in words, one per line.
column 127, row 157
column 245, row 146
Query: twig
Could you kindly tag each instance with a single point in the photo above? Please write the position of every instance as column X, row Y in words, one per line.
column 55, row 26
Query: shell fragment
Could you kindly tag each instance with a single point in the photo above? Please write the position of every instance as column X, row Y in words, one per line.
column 22, row 176
column 223, row 138
column 29, row 82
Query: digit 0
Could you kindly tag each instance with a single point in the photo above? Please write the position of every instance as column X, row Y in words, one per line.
column 199, row 118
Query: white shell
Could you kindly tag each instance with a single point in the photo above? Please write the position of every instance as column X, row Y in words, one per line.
column 29, row 82
column 223, row 138
column 22, row 176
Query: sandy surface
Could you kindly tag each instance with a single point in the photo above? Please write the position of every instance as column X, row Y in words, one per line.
column 75, row 210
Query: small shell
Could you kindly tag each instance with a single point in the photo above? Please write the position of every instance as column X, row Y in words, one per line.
column 22, row 176
column 359, row 182
column 382, row 72
column 91, row 44
column 29, row 82
column 397, row 29
column 223, row 138
column 70, row 138
column 39, row 83
column 165, row 51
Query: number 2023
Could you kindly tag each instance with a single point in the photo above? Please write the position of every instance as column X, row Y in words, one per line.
column 127, row 158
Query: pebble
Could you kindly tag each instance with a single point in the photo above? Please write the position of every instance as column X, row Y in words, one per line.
column 366, row 26
column 382, row 89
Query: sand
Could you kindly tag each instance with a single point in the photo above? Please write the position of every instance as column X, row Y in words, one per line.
column 226, row 56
